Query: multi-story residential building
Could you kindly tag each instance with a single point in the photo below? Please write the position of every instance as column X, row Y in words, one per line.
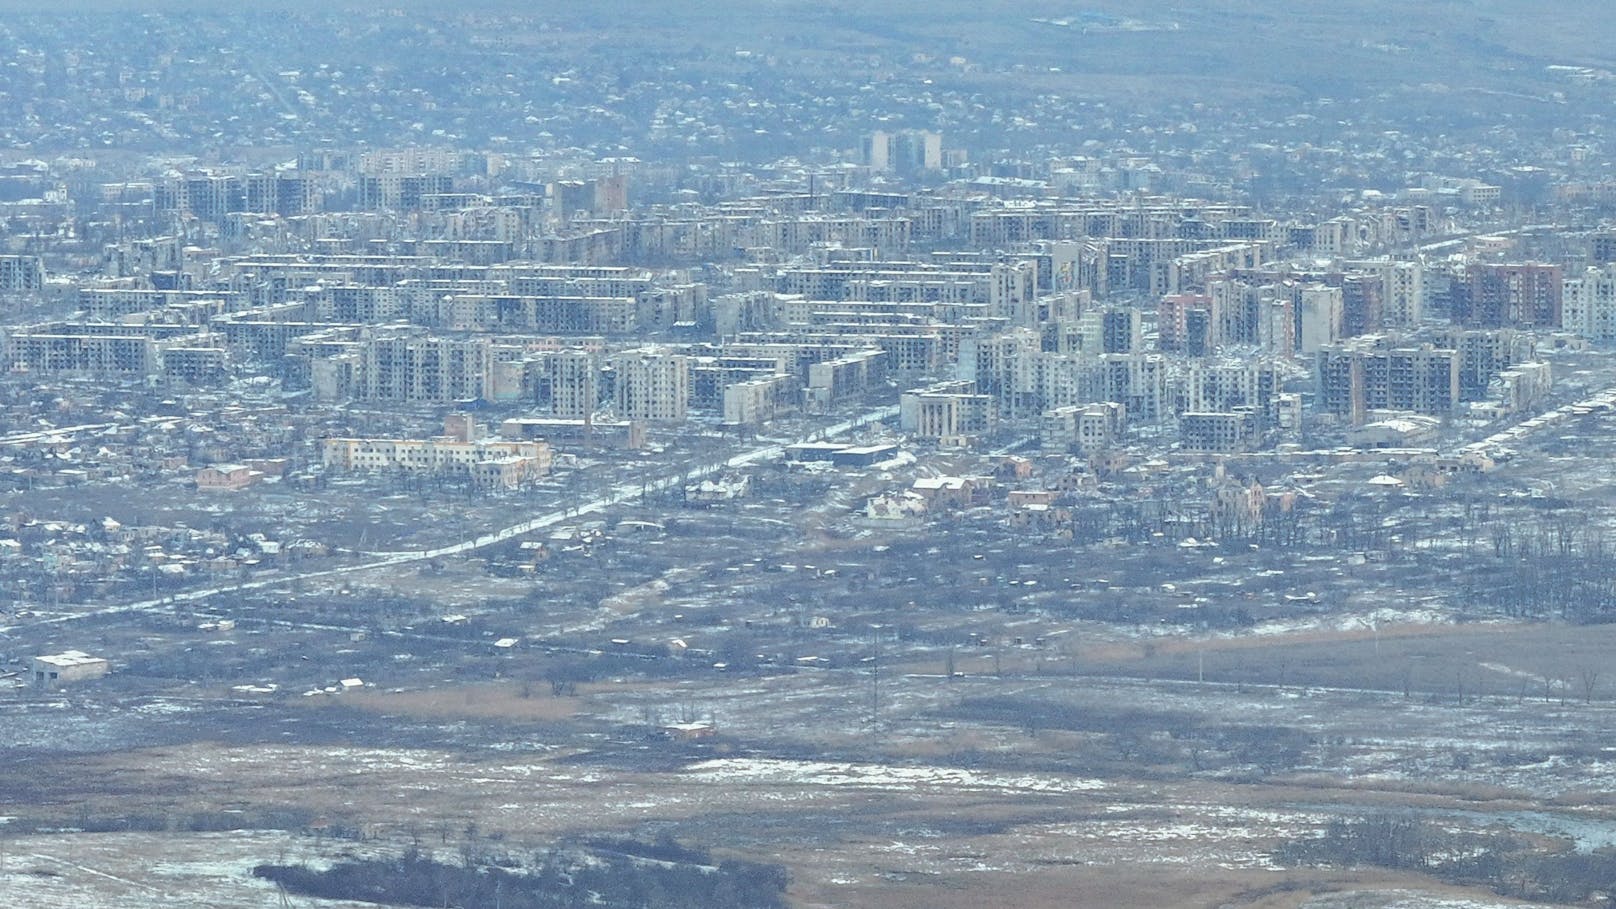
column 1013, row 293
column 564, row 383
column 1402, row 300
column 1084, row 428
column 651, row 384
column 1237, row 305
column 1363, row 300
column 1138, row 382
column 280, row 193
column 1187, row 323
column 21, row 274
column 1229, row 385
column 1318, row 317
column 111, row 304
column 908, row 151
column 1484, row 354
column 993, row 363
column 205, row 195
column 1223, row 432
column 1589, row 303
column 540, row 315
column 711, row 374
column 900, row 282
column 67, row 351
column 832, row 381
column 1519, row 295
column 1370, row 373
column 400, row 192
column 487, row 462
column 759, row 400
column 425, row 369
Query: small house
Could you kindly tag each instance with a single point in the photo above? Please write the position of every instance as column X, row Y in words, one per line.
column 227, row 477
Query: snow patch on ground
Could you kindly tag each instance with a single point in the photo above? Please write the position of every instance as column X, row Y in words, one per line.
column 153, row 871
column 766, row 771
column 1369, row 621
column 1403, row 899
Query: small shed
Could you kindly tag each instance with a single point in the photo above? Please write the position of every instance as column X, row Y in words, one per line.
column 68, row 666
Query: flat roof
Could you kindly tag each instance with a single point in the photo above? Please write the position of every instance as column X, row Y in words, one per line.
column 69, row 658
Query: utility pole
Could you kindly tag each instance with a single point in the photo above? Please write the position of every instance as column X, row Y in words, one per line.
column 875, row 681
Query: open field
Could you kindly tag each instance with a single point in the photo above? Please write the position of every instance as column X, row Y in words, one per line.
column 956, row 791
column 483, row 701
column 141, row 870
column 1553, row 663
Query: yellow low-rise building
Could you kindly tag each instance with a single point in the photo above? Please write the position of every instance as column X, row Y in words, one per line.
column 489, row 462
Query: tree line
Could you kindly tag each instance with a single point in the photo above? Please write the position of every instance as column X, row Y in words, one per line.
column 600, row 873
column 1508, row 865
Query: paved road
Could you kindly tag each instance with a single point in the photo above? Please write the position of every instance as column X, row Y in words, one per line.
column 373, row 560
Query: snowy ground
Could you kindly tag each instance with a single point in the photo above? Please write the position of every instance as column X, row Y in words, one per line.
column 1402, row 899
column 154, row 870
